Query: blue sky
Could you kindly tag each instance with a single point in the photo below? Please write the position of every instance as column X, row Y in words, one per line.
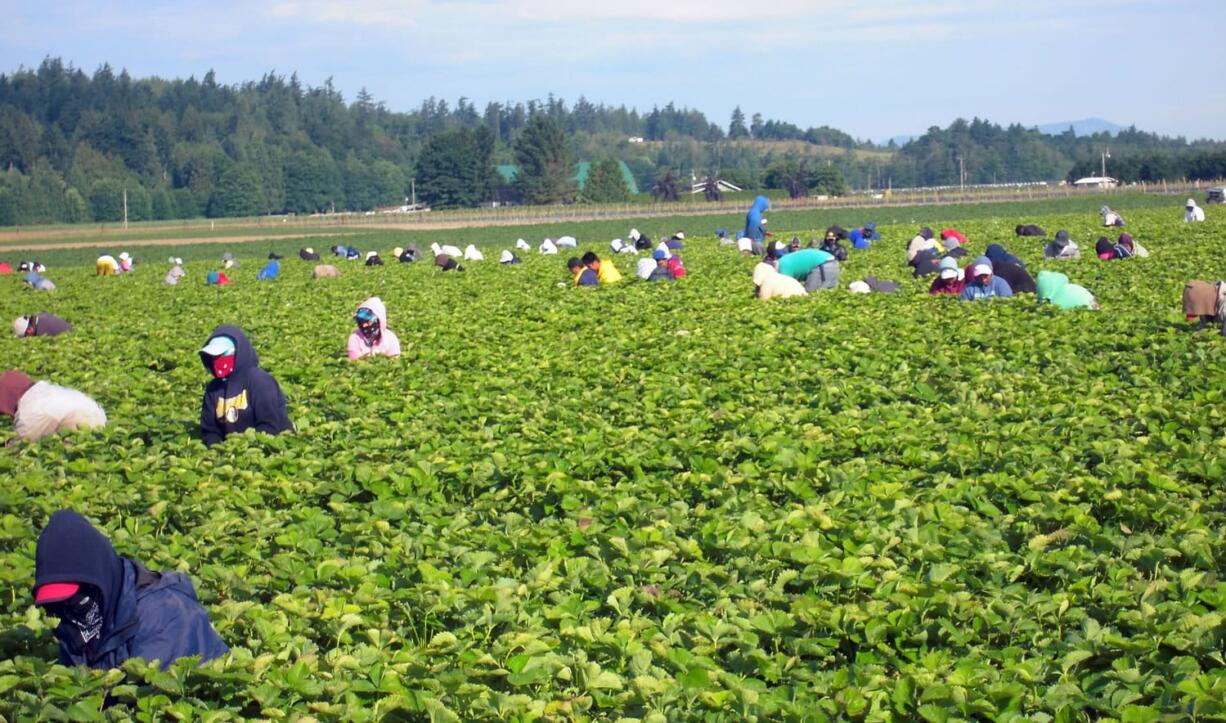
column 870, row 67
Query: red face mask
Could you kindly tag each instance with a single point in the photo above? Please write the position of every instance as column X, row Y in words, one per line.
column 223, row 366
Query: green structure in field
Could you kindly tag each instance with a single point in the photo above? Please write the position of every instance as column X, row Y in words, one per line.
column 508, row 171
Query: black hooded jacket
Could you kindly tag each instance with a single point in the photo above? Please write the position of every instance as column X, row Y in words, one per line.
column 1018, row 277
column 145, row 614
column 249, row 397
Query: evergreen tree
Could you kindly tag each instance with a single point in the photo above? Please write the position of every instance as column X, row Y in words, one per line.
column 545, row 167
column 736, row 127
column 605, row 183
column 238, row 192
column 454, row 168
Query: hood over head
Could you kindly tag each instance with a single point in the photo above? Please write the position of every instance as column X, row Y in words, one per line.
column 13, row 384
column 762, row 272
column 760, row 204
column 376, row 306
column 925, row 233
column 1049, row 283
column 997, row 254
column 1104, row 246
column 1062, row 237
column 71, row 550
column 1126, row 240
column 983, row 260
column 244, row 354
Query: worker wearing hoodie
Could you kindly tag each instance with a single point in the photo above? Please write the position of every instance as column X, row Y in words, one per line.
column 176, row 272
column 270, row 271
column 40, row 409
column 999, row 256
column 950, row 280
column 112, row 608
column 983, row 284
column 922, row 240
column 372, row 337
column 1028, row 229
column 1193, row 213
column 241, row 394
column 44, row 324
column 1053, row 286
column 753, row 219
column 308, row 254
column 862, row 238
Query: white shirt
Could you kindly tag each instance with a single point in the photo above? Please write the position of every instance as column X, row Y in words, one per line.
column 1194, row 215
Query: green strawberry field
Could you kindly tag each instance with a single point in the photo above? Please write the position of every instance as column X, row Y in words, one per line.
column 651, row 501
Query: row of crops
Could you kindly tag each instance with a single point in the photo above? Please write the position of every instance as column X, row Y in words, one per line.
column 652, row 500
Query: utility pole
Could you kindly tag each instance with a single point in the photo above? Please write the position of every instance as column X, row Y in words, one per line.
column 125, row 208
column 413, row 185
column 961, row 174
column 1104, row 155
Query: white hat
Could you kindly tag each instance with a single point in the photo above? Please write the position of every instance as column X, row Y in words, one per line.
column 616, row 245
column 680, row 235
column 20, row 325
column 219, row 345
column 779, row 246
column 981, row 269
column 1191, row 203
column 744, row 243
column 371, row 254
column 177, row 261
column 124, row 256
column 949, row 273
column 859, row 287
column 634, row 234
column 506, row 256
column 397, row 251
column 763, row 222
column 310, row 250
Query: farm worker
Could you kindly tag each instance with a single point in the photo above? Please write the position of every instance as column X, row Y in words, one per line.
column 621, row 247
column 508, row 257
column 34, row 266
column 308, row 254
column 44, row 324
column 37, row 282
column 744, row 245
column 925, row 263
column 1193, row 213
column 410, row 254
column 1134, row 248
column 445, row 262
column 831, row 245
column 548, row 248
column 605, row 270
column 1053, row 286
column 106, row 265
column 754, row 222
column 352, row 253
column 919, row 242
column 228, row 261
column 472, row 253
column 326, row 271
column 113, row 608
column 817, row 268
column 644, row 267
column 673, row 261
column 125, row 262
column 1203, row 301
column 372, row 337
column 218, row 278
column 566, row 242
column 1062, row 248
column 677, row 242
column 580, row 273
column 862, row 238
column 983, row 284
column 999, row 256
column 952, row 234
column 771, row 284
column 176, row 272
column 40, row 409
column 372, row 259
column 6, row 267
column 642, row 242
column 1108, row 251
column 1029, row 230
column 241, row 395
column 1018, row 278
column 520, row 244
column 1110, row 218
column 661, row 272
column 270, row 271
column 950, row 280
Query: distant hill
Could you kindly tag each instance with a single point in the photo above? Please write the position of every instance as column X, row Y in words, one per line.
column 1083, row 127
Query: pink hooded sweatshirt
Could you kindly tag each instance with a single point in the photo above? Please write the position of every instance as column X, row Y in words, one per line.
column 387, row 345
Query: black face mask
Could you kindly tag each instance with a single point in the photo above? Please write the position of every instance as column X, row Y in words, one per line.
column 80, row 619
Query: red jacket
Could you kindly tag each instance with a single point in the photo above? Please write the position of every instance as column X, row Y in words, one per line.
column 955, row 233
column 946, row 286
column 675, row 266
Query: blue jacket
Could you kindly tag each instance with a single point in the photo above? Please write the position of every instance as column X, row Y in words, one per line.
column 861, row 240
column 753, row 219
column 974, row 291
column 997, row 254
column 270, row 271
column 145, row 614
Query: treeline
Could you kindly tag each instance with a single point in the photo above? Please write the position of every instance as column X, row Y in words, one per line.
column 74, row 146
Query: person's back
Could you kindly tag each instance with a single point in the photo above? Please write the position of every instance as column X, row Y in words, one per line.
column 1055, row 288
column 1193, row 213
column 270, row 271
column 43, row 324
column 1020, row 281
column 773, row 285
column 661, row 273
column 40, row 409
column 608, row 273
column 798, row 264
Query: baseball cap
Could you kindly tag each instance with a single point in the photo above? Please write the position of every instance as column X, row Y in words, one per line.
column 949, row 273
column 54, row 592
column 659, row 254
column 20, row 325
column 218, row 346
column 981, row 269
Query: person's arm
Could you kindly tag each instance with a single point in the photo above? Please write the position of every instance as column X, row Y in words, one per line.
column 209, row 429
column 968, row 293
column 354, row 348
column 1002, row 287
column 268, row 404
column 391, row 343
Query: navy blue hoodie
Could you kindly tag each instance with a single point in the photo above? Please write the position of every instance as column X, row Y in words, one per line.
column 249, row 397
column 145, row 614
